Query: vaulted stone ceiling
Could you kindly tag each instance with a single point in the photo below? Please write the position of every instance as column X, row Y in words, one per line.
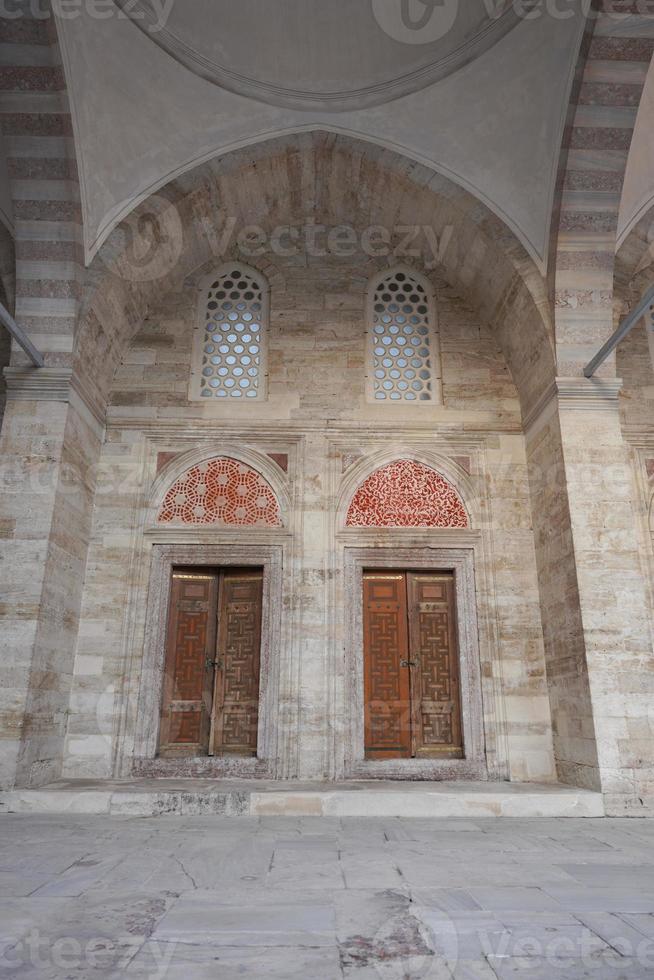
column 482, row 102
column 339, row 181
column 312, row 54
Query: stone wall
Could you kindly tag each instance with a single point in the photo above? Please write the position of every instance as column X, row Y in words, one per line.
column 7, row 298
column 594, row 594
column 565, row 653
column 47, row 443
column 318, row 417
column 635, row 366
column 5, row 353
column 48, row 452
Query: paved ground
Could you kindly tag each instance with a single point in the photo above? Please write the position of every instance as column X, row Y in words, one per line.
column 325, row 898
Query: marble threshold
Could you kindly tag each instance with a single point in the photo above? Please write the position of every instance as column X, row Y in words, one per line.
column 254, row 798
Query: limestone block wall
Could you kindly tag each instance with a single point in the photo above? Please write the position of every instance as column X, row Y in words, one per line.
column 48, row 451
column 635, row 365
column 614, row 604
column 318, row 423
column 594, row 591
column 5, row 354
column 8, row 299
column 565, row 653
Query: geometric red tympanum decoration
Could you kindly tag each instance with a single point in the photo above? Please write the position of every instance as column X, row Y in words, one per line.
column 406, row 494
column 221, row 491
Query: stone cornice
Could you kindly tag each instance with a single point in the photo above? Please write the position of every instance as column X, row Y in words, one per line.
column 577, row 395
column 53, row 384
column 589, row 394
column 465, row 427
column 46, row 384
column 639, row 437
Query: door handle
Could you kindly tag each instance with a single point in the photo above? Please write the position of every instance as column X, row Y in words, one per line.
column 218, row 664
column 409, row 663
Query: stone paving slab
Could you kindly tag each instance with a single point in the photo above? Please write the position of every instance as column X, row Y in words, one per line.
column 179, row 898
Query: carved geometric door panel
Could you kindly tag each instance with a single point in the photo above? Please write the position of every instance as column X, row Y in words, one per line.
column 386, row 683
column 236, row 700
column 210, row 699
column 435, row 699
column 188, row 682
column 411, row 666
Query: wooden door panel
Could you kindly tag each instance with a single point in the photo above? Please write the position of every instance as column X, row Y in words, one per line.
column 386, row 684
column 186, row 705
column 236, row 716
column 435, row 676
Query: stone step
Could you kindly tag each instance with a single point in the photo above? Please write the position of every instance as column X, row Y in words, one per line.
column 189, row 797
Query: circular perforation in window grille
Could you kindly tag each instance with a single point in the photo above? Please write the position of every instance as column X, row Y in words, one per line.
column 401, row 340
column 231, row 354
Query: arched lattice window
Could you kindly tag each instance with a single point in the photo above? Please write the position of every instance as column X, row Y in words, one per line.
column 403, row 353
column 230, row 343
column 221, row 491
column 406, row 493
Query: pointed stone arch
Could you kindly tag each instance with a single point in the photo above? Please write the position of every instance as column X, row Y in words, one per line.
column 238, row 187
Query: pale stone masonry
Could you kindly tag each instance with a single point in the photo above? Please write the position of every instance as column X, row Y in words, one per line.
column 316, row 394
column 555, row 571
column 46, row 449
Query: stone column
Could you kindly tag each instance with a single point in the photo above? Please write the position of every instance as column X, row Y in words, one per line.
column 52, row 429
column 50, row 441
column 314, row 671
column 595, row 605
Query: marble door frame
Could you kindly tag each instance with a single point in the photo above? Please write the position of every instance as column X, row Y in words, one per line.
column 164, row 558
column 461, row 561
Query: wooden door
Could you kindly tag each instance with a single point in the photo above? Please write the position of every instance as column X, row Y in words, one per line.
column 411, row 666
column 236, row 699
column 387, row 720
column 435, row 698
column 188, row 683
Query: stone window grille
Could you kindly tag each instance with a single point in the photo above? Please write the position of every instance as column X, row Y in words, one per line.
column 230, row 344
column 403, row 354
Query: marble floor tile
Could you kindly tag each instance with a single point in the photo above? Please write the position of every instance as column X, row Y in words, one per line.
column 611, row 876
column 615, row 930
column 278, row 923
column 566, row 969
column 602, row 899
column 643, row 922
column 185, row 962
column 512, row 898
